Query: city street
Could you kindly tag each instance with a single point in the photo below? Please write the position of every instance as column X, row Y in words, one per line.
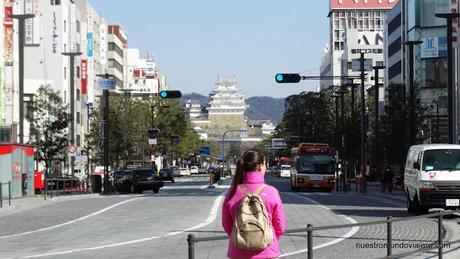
column 156, row 225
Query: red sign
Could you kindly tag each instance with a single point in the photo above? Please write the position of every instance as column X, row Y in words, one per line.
column 363, row 4
column 84, row 75
column 8, row 11
column 71, row 149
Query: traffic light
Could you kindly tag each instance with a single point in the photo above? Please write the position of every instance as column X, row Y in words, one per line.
column 153, row 133
column 170, row 94
column 287, row 78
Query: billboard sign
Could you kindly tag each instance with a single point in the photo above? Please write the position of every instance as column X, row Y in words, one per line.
column 107, row 83
column 356, row 65
column 434, row 47
column 90, row 44
column 32, row 26
column 455, row 24
column 363, row 4
column 103, row 43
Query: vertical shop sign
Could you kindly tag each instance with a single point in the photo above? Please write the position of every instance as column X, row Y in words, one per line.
column 84, row 76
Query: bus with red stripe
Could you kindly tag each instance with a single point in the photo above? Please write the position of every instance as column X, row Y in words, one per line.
column 313, row 167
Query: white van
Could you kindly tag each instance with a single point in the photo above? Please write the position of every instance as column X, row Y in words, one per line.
column 432, row 177
column 285, row 171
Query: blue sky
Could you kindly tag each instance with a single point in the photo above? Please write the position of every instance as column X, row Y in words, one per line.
column 195, row 40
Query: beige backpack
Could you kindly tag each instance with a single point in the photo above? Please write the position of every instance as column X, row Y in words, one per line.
column 252, row 228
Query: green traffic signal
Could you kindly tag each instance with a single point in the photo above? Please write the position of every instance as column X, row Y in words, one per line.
column 170, row 94
column 287, row 78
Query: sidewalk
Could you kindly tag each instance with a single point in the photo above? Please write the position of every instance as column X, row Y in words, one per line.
column 374, row 189
column 32, row 202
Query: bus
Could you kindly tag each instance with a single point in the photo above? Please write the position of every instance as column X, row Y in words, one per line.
column 313, row 167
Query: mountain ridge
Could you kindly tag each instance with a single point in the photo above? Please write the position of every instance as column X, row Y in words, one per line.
column 259, row 107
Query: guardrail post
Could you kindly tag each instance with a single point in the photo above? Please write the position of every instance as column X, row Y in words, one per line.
column 1, row 195
column 440, row 236
column 52, row 188
column 389, row 236
column 9, row 193
column 44, row 191
column 191, row 246
column 310, row 241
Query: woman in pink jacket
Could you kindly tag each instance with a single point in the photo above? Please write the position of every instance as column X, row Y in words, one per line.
column 250, row 171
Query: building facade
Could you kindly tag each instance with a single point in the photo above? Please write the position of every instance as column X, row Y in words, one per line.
column 142, row 74
column 430, row 64
column 355, row 27
column 117, row 53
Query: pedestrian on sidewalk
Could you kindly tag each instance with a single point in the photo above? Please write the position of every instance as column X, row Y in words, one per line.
column 387, row 180
column 249, row 178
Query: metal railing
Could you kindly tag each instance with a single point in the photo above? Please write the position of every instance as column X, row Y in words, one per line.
column 9, row 193
column 310, row 229
column 58, row 187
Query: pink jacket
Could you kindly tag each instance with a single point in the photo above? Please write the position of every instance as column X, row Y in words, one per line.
column 272, row 202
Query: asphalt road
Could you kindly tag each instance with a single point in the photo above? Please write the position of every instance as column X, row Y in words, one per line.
column 156, row 225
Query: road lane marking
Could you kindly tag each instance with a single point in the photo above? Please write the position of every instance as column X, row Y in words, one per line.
column 211, row 218
column 70, row 222
column 349, row 234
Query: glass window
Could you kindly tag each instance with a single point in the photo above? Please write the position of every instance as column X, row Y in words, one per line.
column 317, row 164
column 78, row 117
column 78, row 94
column 441, row 159
column 434, row 72
column 78, row 26
column 430, row 7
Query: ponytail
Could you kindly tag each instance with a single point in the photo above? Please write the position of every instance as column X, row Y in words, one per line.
column 237, row 179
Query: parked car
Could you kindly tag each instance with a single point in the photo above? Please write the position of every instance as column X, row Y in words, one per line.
column 432, row 177
column 185, row 171
column 202, row 170
column 166, row 174
column 115, row 176
column 138, row 180
column 194, row 169
column 176, row 171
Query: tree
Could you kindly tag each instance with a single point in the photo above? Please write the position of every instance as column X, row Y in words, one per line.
column 48, row 129
column 129, row 121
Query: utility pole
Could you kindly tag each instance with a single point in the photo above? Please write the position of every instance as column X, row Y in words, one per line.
column 412, row 114
column 450, row 75
column 363, row 127
column 22, row 23
column 72, row 56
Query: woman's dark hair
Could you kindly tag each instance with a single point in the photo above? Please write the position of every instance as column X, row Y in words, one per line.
column 249, row 162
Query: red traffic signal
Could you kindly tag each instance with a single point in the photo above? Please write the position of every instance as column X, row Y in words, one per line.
column 287, row 78
column 170, row 94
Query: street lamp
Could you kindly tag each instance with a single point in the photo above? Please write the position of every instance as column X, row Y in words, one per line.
column 22, row 23
column 412, row 115
column 242, row 131
column 450, row 74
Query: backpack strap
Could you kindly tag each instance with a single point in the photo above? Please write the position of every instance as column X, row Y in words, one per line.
column 260, row 189
column 256, row 192
column 245, row 189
